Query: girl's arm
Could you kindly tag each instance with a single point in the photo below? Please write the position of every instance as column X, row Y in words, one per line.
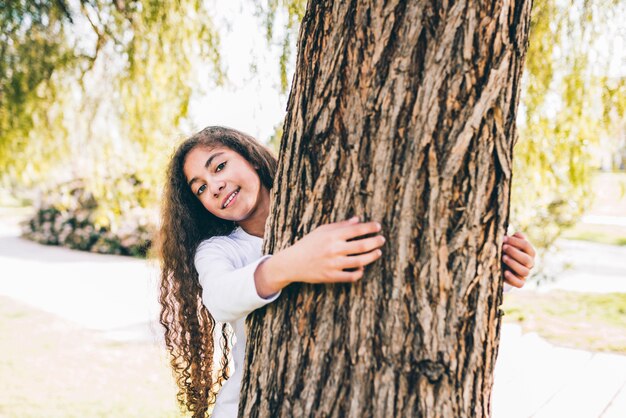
column 228, row 289
column 231, row 290
column 322, row 256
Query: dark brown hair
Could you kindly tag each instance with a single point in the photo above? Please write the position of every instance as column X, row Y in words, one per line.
column 185, row 223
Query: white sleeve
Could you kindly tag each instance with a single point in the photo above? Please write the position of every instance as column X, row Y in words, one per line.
column 229, row 293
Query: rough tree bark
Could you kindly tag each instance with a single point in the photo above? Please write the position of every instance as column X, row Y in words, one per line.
column 401, row 112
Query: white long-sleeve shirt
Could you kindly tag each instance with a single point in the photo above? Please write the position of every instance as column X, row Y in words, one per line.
column 226, row 266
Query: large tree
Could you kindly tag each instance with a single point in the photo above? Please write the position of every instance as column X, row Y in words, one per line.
column 401, row 112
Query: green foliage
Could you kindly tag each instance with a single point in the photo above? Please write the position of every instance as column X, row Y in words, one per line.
column 169, row 41
column 94, row 90
column 293, row 12
column 33, row 47
column 567, row 106
column 274, row 141
column 132, row 65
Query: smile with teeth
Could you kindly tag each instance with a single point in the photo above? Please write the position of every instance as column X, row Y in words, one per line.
column 230, row 199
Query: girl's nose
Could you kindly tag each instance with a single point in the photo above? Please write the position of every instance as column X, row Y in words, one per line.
column 216, row 187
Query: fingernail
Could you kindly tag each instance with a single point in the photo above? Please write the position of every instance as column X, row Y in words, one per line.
column 505, row 247
column 505, row 238
column 379, row 226
column 354, row 219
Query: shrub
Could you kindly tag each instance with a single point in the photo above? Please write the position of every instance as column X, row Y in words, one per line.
column 70, row 215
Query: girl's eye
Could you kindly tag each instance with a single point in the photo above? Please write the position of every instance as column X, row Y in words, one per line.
column 201, row 189
column 220, row 167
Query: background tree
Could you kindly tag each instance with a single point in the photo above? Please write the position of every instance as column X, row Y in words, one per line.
column 98, row 90
column 33, row 51
column 572, row 105
column 403, row 113
column 137, row 62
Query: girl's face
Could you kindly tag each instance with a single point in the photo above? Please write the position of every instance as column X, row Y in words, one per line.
column 226, row 183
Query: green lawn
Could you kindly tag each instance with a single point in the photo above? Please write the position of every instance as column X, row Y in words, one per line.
column 609, row 191
column 603, row 234
column 595, row 322
column 52, row 368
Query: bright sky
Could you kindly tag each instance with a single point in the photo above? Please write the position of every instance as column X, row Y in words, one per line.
column 248, row 102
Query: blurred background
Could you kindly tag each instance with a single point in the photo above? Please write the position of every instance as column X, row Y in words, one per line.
column 95, row 94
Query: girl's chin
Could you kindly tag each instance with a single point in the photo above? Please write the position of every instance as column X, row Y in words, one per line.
column 226, row 216
column 235, row 216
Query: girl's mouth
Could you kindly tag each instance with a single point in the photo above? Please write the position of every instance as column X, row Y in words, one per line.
column 230, row 199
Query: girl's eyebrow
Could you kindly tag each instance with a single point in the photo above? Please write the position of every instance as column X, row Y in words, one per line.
column 206, row 165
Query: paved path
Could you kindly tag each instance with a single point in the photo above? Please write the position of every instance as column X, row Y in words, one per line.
column 114, row 295
column 581, row 266
column 604, row 220
column 533, row 378
column 118, row 297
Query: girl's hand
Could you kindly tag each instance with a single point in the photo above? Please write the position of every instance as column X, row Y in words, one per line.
column 328, row 254
column 518, row 256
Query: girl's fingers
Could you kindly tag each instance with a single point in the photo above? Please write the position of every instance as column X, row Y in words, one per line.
column 349, row 276
column 336, row 225
column 351, row 221
column 516, row 267
column 359, row 229
column 519, row 256
column 364, row 245
column 521, row 244
column 361, row 260
column 513, row 279
column 520, row 235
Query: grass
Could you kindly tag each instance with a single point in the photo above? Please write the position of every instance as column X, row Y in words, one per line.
column 603, row 234
column 595, row 322
column 52, row 368
column 609, row 200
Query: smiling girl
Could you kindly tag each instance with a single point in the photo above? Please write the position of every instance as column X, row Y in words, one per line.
column 215, row 205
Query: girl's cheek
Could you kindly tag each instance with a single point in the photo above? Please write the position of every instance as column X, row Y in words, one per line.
column 207, row 206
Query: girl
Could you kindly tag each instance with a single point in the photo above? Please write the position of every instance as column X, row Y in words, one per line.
column 215, row 205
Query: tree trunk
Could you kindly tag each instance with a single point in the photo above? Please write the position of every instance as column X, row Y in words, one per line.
column 400, row 112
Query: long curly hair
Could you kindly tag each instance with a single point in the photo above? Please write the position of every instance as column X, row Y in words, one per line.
column 185, row 223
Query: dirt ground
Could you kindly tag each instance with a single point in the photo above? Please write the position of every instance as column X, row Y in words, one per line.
column 52, row 368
